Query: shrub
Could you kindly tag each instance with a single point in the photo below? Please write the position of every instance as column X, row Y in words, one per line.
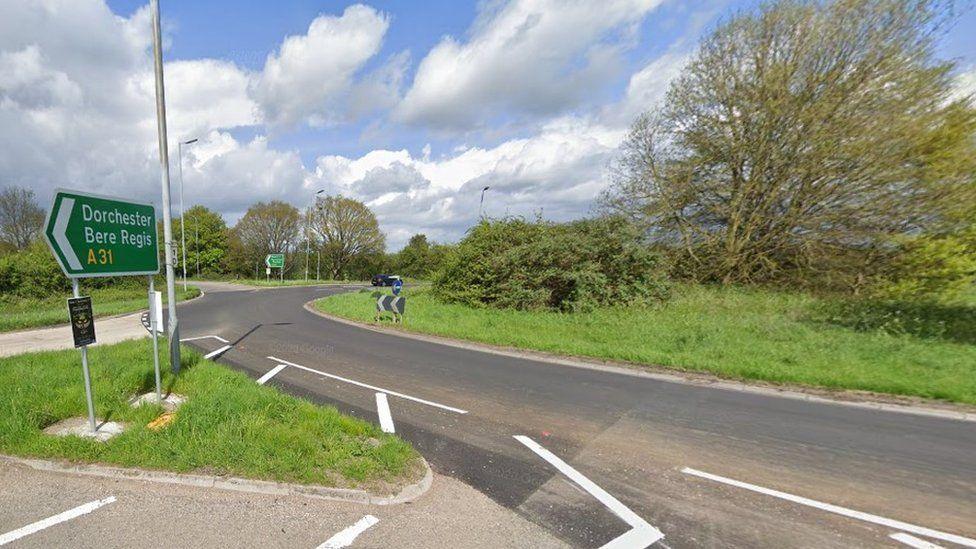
column 513, row 263
column 936, row 268
column 33, row 273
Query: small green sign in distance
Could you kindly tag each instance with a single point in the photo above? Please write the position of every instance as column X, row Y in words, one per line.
column 92, row 235
column 275, row 260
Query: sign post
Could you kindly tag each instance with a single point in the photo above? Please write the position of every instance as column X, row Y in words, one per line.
column 91, row 236
column 276, row 261
column 154, row 314
column 83, row 332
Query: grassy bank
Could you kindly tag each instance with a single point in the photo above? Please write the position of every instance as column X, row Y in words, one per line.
column 229, row 426
column 733, row 333
column 18, row 313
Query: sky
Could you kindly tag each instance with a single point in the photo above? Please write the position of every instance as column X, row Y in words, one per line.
column 410, row 107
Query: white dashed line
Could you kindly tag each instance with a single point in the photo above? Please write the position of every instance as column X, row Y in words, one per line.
column 373, row 387
column 217, row 353
column 349, row 535
column 56, row 519
column 641, row 534
column 383, row 409
column 851, row 513
column 912, row 541
column 273, row 372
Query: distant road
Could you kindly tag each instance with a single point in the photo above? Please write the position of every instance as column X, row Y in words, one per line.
column 603, row 455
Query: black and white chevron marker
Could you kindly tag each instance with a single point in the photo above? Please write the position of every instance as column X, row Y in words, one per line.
column 393, row 304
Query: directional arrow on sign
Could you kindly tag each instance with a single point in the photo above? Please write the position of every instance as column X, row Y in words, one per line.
column 60, row 233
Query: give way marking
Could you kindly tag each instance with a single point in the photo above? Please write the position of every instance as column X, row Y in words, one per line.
column 56, row 519
column 372, row 387
column 844, row 511
column 641, row 533
column 349, row 535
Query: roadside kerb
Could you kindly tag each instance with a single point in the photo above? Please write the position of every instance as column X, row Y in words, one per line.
column 697, row 379
column 406, row 494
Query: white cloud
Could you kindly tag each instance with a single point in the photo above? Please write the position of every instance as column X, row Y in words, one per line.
column 560, row 170
column 310, row 75
column 526, row 56
column 966, row 83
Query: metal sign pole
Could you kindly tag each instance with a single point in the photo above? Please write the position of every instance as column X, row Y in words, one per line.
column 155, row 337
column 84, row 369
column 174, row 327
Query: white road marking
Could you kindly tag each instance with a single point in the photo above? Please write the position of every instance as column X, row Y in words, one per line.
column 349, row 535
column 641, row 534
column 56, row 519
column 890, row 523
column 218, row 338
column 274, row 371
column 217, row 353
column 912, row 541
column 373, row 387
column 383, row 408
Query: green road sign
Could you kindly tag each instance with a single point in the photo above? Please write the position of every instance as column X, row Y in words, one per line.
column 275, row 260
column 94, row 235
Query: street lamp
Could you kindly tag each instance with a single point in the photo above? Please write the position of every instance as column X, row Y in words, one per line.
column 482, row 204
column 308, row 241
column 182, row 217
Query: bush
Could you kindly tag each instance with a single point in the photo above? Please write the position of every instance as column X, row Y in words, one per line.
column 513, row 263
column 33, row 273
column 935, row 268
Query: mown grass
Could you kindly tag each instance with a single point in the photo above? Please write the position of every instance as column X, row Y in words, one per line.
column 17, row 313
column 229, row 426
column 746, row 334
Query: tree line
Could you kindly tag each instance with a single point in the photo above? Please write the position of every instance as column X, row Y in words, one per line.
column 340, row 238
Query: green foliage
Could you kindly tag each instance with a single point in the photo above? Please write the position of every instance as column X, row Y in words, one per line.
column 34, row 274
column 940, row 268
column 419, row 258
column 513, row 263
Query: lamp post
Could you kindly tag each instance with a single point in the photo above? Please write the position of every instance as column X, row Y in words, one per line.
column 173, row 327
column 308, row 241
column 182, row 211
column 481, row 206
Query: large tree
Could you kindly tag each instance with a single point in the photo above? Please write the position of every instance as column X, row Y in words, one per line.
column 348, row 230
column 20, row 217
column 803, row 139
column 271, row 227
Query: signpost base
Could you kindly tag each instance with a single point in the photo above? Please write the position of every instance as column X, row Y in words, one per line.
column 155, row 336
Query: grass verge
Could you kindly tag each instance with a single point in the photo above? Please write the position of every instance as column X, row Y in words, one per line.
column 18, row 313
column 229, row 426
column 734, row 333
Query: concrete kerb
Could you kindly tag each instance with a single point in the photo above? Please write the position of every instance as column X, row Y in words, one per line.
column 849, row 398
column 406, row 494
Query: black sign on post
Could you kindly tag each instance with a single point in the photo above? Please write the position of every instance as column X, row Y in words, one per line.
column 82, row 320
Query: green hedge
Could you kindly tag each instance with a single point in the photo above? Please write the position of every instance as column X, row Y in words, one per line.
column 514, row 263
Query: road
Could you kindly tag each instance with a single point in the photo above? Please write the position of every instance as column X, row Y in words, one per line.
column 627, row 456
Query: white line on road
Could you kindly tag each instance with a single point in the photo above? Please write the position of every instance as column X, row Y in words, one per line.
column 349, row 535
column 383, row 408
column 373, row 387
column 641, row 534
column 274, row 371
column 218, row 338
column 912, row 541
column 56, row 519
column 217, row 353
column 890, row 523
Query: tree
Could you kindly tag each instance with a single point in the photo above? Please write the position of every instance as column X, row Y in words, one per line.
column 419, row 258
column 348, row 230
column 20, row 217
column 206, row 240
column 271, row 227
column 803, row 140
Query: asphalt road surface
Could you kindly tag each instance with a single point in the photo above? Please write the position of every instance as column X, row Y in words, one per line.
column 595, row 457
